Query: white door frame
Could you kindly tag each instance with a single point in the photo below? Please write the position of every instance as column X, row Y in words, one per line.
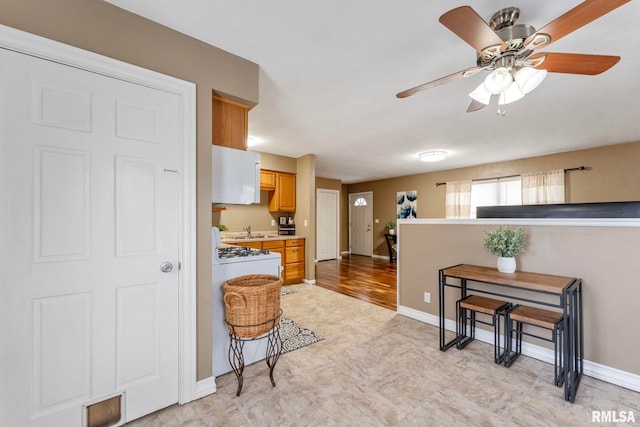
column 337, row 194
column 370, row 232
column 40, row 47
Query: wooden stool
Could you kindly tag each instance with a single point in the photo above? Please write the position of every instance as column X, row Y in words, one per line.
column 479, row 304
column 541, row 318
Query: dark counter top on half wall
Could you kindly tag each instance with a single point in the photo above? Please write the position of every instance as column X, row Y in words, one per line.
column 567, row 210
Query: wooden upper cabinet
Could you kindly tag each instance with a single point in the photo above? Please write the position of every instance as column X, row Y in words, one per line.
column 283, row 199
column 267, row 180
column 230, row 123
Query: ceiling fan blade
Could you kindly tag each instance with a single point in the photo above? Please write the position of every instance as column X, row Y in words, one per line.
column 440, row 81
column 475, row 106
column 574, row 63
column 470, row 27
column 582, row 14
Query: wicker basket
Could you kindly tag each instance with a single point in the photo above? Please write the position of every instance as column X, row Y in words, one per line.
column 252, row 304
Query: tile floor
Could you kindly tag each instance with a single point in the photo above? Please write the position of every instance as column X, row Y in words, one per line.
column 378, row 368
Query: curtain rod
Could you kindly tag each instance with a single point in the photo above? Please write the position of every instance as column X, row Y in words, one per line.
column 579, row 168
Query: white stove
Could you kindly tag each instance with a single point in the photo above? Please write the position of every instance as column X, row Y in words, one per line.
column 229, row 262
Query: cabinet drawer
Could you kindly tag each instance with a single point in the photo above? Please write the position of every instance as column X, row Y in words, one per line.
column 294, row 271
column 273, row 244
column 294, row 242
column 254, row 245
column 295, row 254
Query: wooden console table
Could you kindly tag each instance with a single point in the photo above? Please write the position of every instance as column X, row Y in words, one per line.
column 561, row 292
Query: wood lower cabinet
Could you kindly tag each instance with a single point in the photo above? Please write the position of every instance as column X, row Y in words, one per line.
column 254, row 245
column 294, row 261
column 291, row 256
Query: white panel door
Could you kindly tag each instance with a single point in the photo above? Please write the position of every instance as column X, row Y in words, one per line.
column 89, row 170
column 360, row 223
column 327, row 225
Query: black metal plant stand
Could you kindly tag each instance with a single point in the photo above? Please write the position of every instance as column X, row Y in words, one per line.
column 236, row 345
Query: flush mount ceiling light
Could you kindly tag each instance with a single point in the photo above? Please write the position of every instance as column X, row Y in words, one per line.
column 432, row 156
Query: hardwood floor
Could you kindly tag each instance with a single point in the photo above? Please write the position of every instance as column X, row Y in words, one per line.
column 365, row 278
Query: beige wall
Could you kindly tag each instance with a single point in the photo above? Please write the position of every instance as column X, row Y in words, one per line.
column 613, row 175
column 605, row 258
column 100, row 27
column 328, row 184
column 306, row 210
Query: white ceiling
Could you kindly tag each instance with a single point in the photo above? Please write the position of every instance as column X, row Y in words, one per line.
column 329, row 72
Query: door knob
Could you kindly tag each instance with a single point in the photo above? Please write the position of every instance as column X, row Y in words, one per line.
column 166, row 267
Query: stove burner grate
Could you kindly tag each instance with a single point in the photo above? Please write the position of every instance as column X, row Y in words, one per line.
column 240, row 251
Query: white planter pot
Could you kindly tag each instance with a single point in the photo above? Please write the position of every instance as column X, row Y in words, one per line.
column 506, row 264
column 392, row 231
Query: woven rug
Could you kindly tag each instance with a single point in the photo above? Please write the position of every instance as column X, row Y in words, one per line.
column 295, row 336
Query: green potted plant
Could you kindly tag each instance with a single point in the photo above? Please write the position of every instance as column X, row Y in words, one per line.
column 391, row 225
column 223, row 227
column 505, row 243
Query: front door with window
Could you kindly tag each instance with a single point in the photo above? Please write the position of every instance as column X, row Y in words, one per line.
column 360, row 223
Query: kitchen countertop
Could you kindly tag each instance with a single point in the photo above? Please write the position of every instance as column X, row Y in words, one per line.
column 259, row 239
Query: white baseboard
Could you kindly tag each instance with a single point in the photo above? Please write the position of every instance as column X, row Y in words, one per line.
column 205, row 387
column 309, row 281
column 591, row 369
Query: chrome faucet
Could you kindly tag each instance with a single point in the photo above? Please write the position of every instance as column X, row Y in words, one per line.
column 248, row 230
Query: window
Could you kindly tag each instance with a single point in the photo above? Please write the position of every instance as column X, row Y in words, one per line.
column 360, row 202
column 502, row 192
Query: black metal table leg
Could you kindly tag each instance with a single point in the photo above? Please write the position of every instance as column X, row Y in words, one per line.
column 444, row 346
column 574, row 345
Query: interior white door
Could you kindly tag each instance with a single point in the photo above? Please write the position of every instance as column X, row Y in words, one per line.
column 327, row 224
column 89, row 169
column 360, row 223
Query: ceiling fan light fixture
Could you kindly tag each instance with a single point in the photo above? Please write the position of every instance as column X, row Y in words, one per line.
column 512, row 94
column 498, row 80
column 481, row 95
column 529, row 78
column 432, row 156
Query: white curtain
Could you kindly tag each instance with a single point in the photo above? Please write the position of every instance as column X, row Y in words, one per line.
column 542, row 188
column 458, row 199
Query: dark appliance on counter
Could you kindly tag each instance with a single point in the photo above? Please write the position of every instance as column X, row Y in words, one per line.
column 287, row 230
column 286, row 226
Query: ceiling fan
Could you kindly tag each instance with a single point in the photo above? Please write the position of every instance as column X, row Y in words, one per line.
column 507, row 50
